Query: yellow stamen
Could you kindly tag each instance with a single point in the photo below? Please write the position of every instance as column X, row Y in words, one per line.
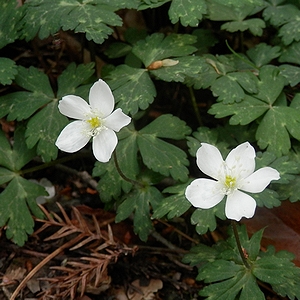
column 230, row 182
column 94, row 122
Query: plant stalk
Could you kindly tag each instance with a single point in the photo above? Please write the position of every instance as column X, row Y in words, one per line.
column 238, row 242
column 132, row 181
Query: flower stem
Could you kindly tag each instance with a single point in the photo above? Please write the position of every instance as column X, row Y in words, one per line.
column 132, row 181
column 238, row 242
column 195, row 107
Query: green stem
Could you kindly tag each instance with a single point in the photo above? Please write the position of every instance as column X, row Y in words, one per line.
column 194, row 103
column 238, row 242
column 134, row 182
column 241, row 58
column 50, row 164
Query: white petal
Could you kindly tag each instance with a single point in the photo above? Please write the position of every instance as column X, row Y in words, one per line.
column 238, row 205
column 117, row 120
column 72, row 139
column 241, row 161
column 210, row 161
column 74, row 107
column 259, row 180
column 104, row 144
column 101, row 98
column 204, row 193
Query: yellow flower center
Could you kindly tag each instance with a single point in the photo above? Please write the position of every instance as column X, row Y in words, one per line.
column 230, row 183
column 94, row 122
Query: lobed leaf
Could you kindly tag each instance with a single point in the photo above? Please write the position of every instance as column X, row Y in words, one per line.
column 158, row 46
column 43, row 129
column 132, row 88
column 262, row 54
column 167, row 126
column 11, row 16
column 138, row 201
column 17, row 202
column 163, row 157
column 94, row 18
column 255, row 26
column 174, row 205
column 8, row 70
column 189, row 12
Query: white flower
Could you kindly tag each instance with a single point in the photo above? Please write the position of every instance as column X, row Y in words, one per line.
column 95, row 120
column 232, row 176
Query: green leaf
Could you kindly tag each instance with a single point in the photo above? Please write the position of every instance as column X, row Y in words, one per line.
column 189, row 12
column 94, row 18
column 267, row 198
column 72, row 77
column 43, row 129
column 205, row 219
column 167, row 126
column 289, row 191
column 186, row 67
column 291, row 73
column 17, row 202
column 6, row 175
column 9, row 22
column 132, row 88
column 202, row 135
column 200, row 254
column 290, row 32
column 158, row 46
column 230, row 87
column 291, row 54
column 205, row 40
column 138, row 201
column 174, row 205
column 14, row 158
column 21, row 105
column 111, row 184
column 278, row 15
column 145, row 4
column 273, row 133
column 8, row 70
column 163, row 157
column 224, row 11
column 239, row 3
column 255, row 26
column 263, row 54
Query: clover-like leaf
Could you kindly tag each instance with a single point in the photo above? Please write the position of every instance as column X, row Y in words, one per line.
column 92, row 17
column 17, row 202
column 11, row 15
column 174, row 205
column 291, row 53
column 255, row 26
column 145, row 4
column 21, row 105
column 163, row 157
column 160, row 156
column 290, row 31
column 43, row 129
column 132, row 88
column 158, row 46
column 137, row 202
column 291, row 73
column 262, row 54
column 189, row 12
column 278, row 270
column 278, row 14
column 167, row 126
column 8, row 70
column 230, row 87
